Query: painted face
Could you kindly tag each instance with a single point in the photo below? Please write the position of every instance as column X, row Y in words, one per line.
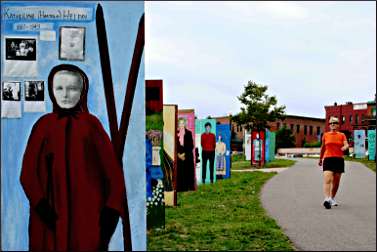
column 67, row 89
column 208, row 128
column 181, row 124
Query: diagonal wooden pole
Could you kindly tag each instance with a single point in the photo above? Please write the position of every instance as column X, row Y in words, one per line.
column 128, row 100
column 131, row 85
column 107, row 77
column 111, row 110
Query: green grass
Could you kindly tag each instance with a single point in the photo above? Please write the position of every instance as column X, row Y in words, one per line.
column 238, row 157
column 241, row 165
column 280, row 163
column 224, row 216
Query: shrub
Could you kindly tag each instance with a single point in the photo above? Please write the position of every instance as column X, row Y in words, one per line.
column 313, row 144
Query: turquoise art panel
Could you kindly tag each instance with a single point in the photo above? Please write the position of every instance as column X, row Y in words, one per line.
column 199, row 129
column 372, row 144
column 272, row 145
column 267, row 147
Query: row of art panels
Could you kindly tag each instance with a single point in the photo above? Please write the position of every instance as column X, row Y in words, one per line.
column 190, row 152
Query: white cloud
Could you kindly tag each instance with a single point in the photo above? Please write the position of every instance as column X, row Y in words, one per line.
column 298, row 49
column 274, row 9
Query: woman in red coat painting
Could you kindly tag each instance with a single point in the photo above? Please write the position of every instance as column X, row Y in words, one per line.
column 70, row 172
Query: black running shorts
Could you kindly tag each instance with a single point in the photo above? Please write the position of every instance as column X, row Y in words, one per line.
column 334, row 164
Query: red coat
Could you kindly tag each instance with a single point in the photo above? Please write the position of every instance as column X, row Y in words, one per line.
column 69, row 160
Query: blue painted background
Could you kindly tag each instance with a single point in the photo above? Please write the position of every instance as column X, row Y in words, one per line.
column 224, row 131
column 122, row 20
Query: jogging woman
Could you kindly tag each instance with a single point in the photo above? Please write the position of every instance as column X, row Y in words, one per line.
column 334, row 143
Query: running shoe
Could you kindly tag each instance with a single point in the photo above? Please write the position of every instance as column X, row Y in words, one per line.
column 327, row 204
column 333, row 202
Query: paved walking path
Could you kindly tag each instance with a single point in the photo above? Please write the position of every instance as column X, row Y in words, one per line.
column 294, row 199
column 262, row 170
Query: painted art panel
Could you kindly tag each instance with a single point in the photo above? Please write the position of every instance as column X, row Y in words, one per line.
column 223, row 162
column 170, row 127
column 199, row 129
column 267, row 149
column 170, row 114
column 272, row 145
column 189, row 116
column 155, row 175
column 359, row 143
column 258, row 148
column 372, row 144
column 247, row 145
column 39, row 36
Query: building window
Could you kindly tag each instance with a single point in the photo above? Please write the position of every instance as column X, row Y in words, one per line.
column 318, row 130
column 278, row 125
column 343, row 119
column 305, row 129
column 292, row 126
column 350, row 118
column 356, row 119
column 297, row 128
column 311, row 130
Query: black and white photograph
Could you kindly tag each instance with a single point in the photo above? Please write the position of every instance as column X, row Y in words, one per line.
column 10, row 99
column 21, row 49
column 34, row 90
column 72, row 43
column 11, row 91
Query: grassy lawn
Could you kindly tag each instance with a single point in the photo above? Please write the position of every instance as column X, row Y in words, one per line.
column 240, row 165
column 227, row 215
column 280, row 163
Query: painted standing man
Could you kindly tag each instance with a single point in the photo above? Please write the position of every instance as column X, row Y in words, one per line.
column 208, row 142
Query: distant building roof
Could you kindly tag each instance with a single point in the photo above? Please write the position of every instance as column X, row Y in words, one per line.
column 286, row 116
column 305, row 117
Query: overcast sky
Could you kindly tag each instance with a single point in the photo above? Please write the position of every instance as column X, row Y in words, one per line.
column 309, row 54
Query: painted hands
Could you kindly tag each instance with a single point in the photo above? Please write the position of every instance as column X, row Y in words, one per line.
column 181, row 156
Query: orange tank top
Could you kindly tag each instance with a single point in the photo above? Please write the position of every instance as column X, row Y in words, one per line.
column 333, row 142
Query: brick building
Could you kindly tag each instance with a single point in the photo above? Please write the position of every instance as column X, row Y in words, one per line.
column 352, row 116
column 304, row 129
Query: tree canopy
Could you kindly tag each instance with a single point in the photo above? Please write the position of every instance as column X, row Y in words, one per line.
column 285, row 138
column 257, row 108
